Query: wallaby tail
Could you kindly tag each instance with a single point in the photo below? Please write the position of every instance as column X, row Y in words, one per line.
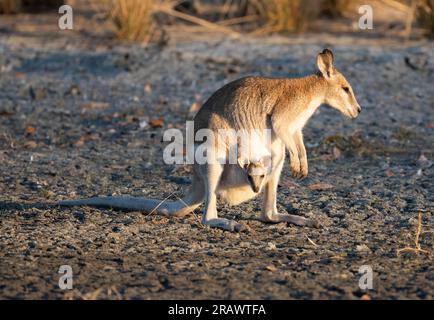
column 181, row 207
column 161, row 207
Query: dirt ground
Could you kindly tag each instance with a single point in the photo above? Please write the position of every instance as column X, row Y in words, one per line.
column 82, row 117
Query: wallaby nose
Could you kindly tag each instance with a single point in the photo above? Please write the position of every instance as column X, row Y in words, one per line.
column 359, row 109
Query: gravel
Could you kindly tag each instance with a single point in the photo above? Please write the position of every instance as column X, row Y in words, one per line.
column 79, row 120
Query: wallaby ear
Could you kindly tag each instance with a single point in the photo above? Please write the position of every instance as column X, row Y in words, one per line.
column 325, row 63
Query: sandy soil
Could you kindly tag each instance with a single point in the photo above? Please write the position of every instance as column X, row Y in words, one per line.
column 82, row 117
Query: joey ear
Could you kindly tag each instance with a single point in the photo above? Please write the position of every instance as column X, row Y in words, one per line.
column 325, row 63
column 243, row 163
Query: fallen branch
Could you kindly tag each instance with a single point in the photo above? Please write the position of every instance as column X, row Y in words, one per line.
column 239, row 20
column 201, row 22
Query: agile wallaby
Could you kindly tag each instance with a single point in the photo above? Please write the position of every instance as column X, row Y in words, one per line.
column 280, row 105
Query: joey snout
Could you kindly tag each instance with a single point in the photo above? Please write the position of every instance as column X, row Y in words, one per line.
column 255, row 182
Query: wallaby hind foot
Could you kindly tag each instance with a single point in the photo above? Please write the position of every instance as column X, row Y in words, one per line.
column 226, row 224
column 291, row 219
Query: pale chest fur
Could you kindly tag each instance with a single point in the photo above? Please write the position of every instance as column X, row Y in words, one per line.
column 255, row 145
column 298, row 122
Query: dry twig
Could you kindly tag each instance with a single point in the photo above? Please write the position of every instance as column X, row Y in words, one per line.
column 417, row 248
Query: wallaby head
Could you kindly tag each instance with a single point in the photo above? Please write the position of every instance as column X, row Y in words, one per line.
column 338, row 93
column 256, row 172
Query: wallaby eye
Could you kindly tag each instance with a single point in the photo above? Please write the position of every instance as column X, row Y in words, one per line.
column 346, row 89
column 263, row 176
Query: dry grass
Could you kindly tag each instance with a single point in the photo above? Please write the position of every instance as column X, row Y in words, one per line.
column 296, row 15
column 10, row 6
column 419, row 12
column 334, row 8
column 425, row 16
column 17, row 6
column 134, row 19
column 290, row 15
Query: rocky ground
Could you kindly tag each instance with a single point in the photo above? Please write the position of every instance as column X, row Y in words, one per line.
column 82, row 117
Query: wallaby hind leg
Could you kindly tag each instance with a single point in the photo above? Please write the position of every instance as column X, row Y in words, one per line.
column 211, row 174
column 269, row 210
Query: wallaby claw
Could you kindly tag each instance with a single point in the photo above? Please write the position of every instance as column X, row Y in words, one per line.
column 299, row 175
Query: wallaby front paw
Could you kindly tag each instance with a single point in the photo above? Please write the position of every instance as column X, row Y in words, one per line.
column 303, row 173
column 303, row 168
column 299, row 174
column 296, row 171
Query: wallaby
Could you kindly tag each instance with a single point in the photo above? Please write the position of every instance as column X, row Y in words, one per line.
column 282, row 106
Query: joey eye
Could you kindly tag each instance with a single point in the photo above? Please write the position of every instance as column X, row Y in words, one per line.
column 262, row 176
column 346, row 89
